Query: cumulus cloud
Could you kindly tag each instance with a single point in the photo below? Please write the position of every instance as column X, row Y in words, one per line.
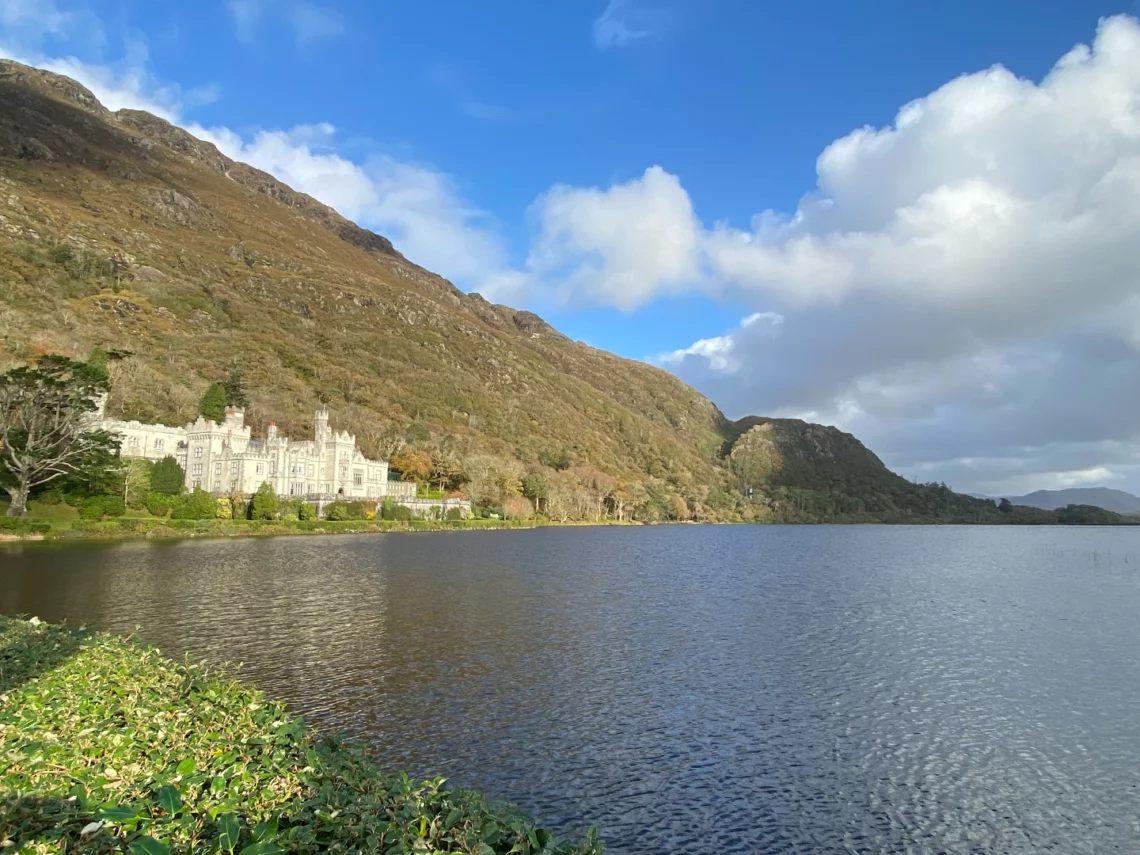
column 620, row 247
column 962, row 288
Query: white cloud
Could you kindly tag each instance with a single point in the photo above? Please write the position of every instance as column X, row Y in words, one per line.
column 621, row 22
column 618, row 247
column 312, row 23
column 720, row 352
column 308, row 22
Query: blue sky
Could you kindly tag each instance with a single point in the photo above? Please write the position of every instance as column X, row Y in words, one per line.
column 952, row 283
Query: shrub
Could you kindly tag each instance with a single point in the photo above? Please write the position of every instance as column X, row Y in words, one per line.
column 306, row 512
column 198, row 505
column 40, row 528
column 113, row 506
column 455, row 514
column 388, row 509
column 224, row 509
column 10, row 523
column 158, row 504
column 167, row 477
column 75, row 497
column 288, row 509
column 91, row 508
column 356, row 510
column 51, row 497
column 264, row 505
column 517, row 508
column 337, row 512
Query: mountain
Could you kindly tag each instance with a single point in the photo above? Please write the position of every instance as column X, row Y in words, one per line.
column 120, row 231
column 1116, row 501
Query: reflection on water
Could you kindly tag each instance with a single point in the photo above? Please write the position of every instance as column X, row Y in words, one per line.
column 687, row 689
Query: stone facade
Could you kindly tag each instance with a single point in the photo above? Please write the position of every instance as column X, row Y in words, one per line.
column 225, row 459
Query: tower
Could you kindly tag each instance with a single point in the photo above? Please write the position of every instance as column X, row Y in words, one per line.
column 321, row 427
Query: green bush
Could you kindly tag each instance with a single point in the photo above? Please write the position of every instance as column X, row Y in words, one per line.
column 51, row 497
column 455, row 514
column 39, row 527
column 288, row 509
column 113, row 506
column 337, row 512
column 198, row 505
column 158, row 504
column 75, row 497
column 306, row 512
column 10, row 523
column 91, row 508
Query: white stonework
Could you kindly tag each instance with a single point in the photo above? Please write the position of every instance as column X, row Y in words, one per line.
column 224, row 459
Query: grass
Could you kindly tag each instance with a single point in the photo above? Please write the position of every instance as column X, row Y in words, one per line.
column 108, row 747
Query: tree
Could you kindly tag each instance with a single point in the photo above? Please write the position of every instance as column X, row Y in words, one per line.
column 412, row 465
column 557, row 460
column 213, row 405
column 264, row 503
column 136, row 482
column 444, row 468
column 1005, row 506
column 417, row 432
column 98, row 361
column 167, row 477
column 235, row 387
column 46, row 427
column 536, row 487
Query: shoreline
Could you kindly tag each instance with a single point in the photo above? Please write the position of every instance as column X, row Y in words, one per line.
column 113, row 747
column 135, row 528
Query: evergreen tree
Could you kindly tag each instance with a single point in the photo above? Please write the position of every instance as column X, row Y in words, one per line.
column 264, row 503
column 167, row 477
column 46, row 434
column 213, row 406
column 235, row 387
column 98, row 361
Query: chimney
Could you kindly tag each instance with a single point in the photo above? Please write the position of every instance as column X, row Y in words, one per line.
column 321, row 426
column 271, row 431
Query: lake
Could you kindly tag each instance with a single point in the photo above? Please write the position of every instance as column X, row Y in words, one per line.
column 687, row 689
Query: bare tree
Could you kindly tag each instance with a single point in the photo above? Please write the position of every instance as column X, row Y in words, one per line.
column 47, row 427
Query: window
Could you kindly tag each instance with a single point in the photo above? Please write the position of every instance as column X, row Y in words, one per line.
column 197, row 468
column 259, row 468
column 197, row 483
column 198, row 451
column 344, row 472
column 159, row 444
column 133, row 442
column 311, row 470
column 217, row 486
column 234, row 468
column 273, row 467
column 217, row 469
column 357, row 477
column 233, row 485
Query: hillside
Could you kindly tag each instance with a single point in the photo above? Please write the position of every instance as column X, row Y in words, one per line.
column 1116, row 501
column 123, row 232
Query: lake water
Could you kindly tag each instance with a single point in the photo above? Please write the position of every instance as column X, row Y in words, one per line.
column 686, row 689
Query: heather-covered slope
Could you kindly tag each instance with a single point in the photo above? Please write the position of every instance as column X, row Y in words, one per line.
column 123, row 231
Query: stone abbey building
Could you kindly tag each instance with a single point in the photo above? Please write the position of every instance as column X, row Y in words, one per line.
column 224, row 459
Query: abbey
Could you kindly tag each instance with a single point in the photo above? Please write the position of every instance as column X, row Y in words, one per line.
column 224, row 459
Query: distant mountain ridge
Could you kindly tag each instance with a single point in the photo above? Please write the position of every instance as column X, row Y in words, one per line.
column 1116, row 501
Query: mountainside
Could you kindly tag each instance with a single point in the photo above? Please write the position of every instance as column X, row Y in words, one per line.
column 123, row 232
column 1116, row 501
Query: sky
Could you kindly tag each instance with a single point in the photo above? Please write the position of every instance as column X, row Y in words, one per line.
column 918, row 222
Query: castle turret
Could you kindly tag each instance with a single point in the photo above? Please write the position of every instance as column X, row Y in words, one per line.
column 271, row 431
column 321, row 427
